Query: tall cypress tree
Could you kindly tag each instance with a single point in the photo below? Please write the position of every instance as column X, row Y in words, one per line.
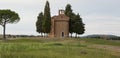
column 47, row 18
column 39, row 26
column 78, row 25
column 81, row 25
column 70, row 14
column 75, row 22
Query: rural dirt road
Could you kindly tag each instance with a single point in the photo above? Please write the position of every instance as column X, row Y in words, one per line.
column 115, row 50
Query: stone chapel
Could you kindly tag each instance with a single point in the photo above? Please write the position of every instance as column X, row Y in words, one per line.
column 59, row 25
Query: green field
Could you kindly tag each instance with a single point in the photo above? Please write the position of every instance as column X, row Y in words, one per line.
column 59, row 48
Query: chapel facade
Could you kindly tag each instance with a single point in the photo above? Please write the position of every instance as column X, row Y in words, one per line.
column 59, row 25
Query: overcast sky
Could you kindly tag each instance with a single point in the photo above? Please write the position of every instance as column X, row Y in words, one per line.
column 99, row 16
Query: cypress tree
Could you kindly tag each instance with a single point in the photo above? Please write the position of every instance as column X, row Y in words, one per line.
column 75, row 22
column 39, row 26
column 81, row 25
column 78, row 25
column 47, row 18
column 70, row 14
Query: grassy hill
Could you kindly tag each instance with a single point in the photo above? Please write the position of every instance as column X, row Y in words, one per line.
column 59, row 48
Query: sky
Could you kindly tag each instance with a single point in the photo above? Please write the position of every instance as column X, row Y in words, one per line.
column 99, row 16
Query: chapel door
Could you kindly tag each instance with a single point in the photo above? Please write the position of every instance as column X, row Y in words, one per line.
column 62, row 34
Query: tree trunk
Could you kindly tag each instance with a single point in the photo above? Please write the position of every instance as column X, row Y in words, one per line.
column 4, row 30
column 76, row 35
column 71, row 35
column 41, row 34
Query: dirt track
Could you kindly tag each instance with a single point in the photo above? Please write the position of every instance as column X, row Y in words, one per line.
column 115, row 50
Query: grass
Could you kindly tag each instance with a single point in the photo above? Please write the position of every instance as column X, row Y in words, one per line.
column 102, row 41
column 52, row 48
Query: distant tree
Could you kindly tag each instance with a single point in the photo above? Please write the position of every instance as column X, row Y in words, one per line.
column 39, row 26
column 47, row 18
column 8, row 16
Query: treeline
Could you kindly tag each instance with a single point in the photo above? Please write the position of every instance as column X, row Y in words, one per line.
column 107, row 37
column 43, row 24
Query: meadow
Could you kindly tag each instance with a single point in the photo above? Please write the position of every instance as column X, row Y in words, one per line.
column 59, row 48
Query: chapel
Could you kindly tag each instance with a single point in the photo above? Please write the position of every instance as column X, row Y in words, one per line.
column 59, row 25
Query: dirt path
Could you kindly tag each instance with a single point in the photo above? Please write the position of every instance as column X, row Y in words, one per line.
column 114, row 50
column 100, row 46
column 107, row 47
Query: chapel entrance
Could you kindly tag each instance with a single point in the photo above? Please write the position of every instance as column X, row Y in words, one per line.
column 62, row 34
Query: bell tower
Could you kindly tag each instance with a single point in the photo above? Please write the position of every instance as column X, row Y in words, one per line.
column 61, row 12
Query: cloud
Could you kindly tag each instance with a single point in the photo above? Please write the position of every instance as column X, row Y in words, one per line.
column 102, row 24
